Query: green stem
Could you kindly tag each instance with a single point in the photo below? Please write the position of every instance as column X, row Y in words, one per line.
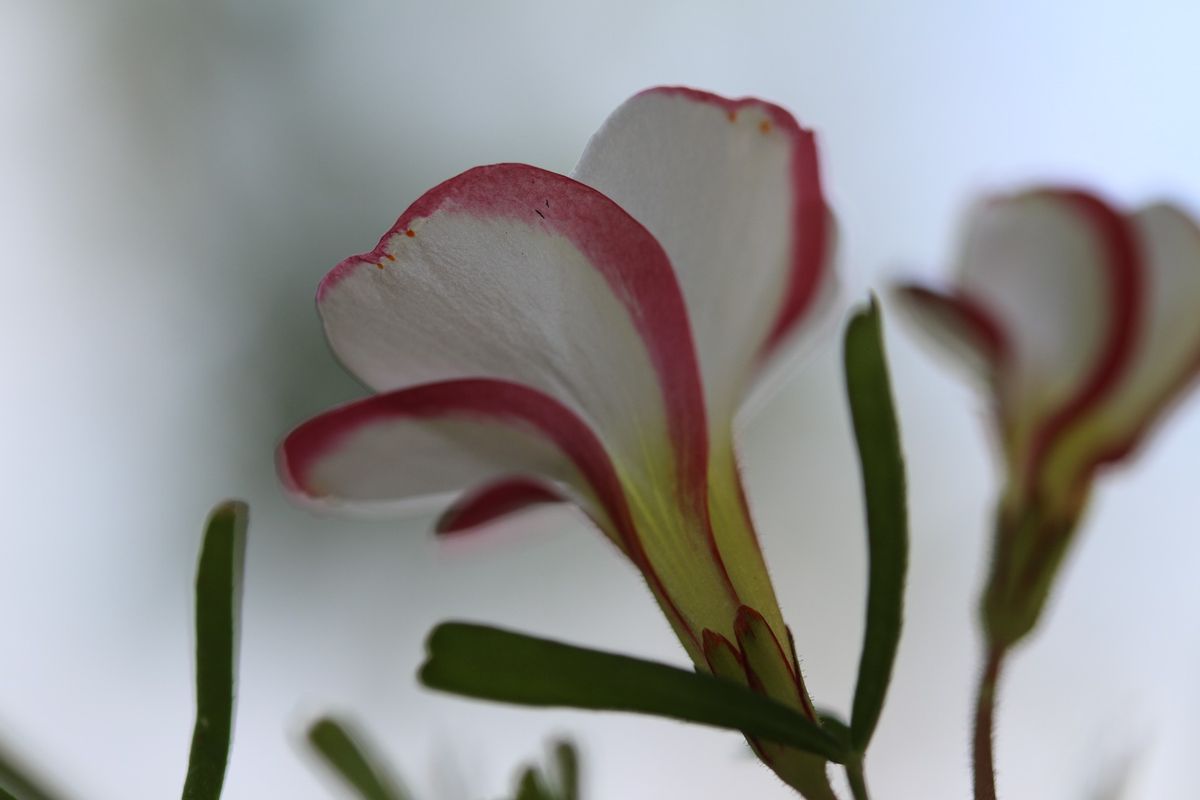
column 858, row 782
column 985, row 711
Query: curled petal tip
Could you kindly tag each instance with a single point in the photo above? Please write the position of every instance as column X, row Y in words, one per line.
column 495, row 500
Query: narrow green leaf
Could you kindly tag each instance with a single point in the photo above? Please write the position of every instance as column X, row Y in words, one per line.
column 218, row 612
column 493, row 664
column 882, row 462
column 16, row 783
column 532, row 787
column 329, row 738
column 559, row 782
column 567, row 761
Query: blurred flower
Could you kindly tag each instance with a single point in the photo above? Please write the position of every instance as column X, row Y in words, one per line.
column 540, row 338
column 1082, row 322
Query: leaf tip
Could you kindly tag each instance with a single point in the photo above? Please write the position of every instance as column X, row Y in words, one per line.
column 236, row 512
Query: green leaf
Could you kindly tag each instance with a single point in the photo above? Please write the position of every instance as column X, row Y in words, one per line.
column 532, row 787
column 559, row 782
column 567, row 762
column 218, row 612
column 882, row 461
column 329, row 738
column 493, row 664
column 16, row 783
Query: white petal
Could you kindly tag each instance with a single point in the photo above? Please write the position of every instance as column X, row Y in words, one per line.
column 1058, row 272
column 966, row 331
column 440, row 438
column 731, row 190
column 515, row 273
column 469, row 433
column 1166, row 354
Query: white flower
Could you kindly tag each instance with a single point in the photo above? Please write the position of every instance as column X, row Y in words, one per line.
column 536, row 337
column 1084, row 324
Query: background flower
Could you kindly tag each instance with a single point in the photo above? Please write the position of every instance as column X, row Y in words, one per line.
column 1080, row 320
column 1082, row 323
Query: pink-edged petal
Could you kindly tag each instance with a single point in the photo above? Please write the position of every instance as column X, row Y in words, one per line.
column 959, row 325
column 732, row 190
column 491, row 501
column 1166, row 355
column 518, row 274
column 442, row 438
column 1059, row 273
column 515, row 274
column 468, row 433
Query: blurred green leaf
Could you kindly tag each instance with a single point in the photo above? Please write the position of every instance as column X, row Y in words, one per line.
column 218, row 612
column 882, row 462
column 16, row 783
column 567, row 761
column 561, row 782
column 532, row 787
column 493, row 664
column 330, row 739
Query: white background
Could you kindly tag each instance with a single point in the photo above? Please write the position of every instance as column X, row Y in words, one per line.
column 175, row 176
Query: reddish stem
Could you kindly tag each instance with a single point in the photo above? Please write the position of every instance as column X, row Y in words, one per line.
column 985, row 707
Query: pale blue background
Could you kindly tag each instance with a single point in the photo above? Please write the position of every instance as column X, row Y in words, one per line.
column 177, row 175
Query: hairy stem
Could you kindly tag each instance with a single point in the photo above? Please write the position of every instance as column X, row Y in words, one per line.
column 985, row 708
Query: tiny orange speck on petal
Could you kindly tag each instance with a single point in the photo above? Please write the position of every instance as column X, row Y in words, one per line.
column 379, row 265
column 732, row 116
column 764, row 126
column 389, row 256
column 409, row 233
